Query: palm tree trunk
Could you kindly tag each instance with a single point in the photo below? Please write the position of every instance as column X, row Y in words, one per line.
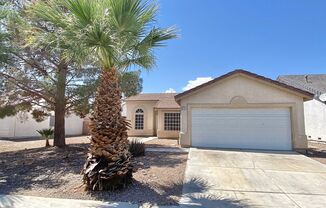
column 108, row 166
column 47, row 144
column 59, row 111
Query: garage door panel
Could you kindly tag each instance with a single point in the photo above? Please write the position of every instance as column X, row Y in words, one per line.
column 241, row 128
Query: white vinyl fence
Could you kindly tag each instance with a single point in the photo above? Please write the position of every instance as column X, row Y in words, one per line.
column 23, row 125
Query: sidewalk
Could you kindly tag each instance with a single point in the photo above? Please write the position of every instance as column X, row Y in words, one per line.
column 19, row 201
column 167, row 149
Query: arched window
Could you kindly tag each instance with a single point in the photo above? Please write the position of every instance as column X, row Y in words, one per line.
column 139, row 119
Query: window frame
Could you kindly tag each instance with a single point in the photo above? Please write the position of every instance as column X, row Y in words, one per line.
column 172, row 121
column 139, row 117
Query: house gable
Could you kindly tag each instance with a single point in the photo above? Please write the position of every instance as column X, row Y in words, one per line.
column 254, row 77
column 240, row 88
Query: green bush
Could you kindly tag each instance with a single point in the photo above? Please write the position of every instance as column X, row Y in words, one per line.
column 136, row 148
column 46, row 134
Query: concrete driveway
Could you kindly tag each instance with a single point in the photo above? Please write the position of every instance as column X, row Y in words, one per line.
column 216, row 178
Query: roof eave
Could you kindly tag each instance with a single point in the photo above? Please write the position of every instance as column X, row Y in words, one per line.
column 141, row 100
column 305, row 94
column 162, row 108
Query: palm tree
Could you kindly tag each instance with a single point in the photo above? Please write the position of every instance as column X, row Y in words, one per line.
column 115, row 34
column 46, row 134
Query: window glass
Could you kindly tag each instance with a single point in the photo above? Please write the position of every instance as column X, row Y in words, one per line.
column 172, row 121
column 139, row 119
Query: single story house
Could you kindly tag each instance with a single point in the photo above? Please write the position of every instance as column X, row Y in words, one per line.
column 237, row 110
column 314, row 110
column 153, row 114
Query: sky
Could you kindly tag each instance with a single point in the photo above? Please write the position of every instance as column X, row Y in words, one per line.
column 267, row 37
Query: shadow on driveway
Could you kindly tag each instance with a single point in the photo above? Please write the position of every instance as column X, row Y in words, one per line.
column 196, row 194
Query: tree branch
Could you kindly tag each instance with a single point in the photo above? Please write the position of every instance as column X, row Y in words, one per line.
column 34, row 103
column 24, row 87
column 35, row 65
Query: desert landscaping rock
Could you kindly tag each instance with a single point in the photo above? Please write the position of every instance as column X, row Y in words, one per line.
column 54, row 172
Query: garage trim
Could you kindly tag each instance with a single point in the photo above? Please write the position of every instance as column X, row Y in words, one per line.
column 291, row 106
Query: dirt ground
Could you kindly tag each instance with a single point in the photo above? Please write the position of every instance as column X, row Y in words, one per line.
column 28, row 143
column 54, row 172
column 317, row 151
column 161, row 143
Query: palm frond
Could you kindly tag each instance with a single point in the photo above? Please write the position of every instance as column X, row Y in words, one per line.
column 157, row 36
column 83, row 11
column 48, row 11
column 144, row 60
column 47, row 133
column 117, row 32
column 130, row 16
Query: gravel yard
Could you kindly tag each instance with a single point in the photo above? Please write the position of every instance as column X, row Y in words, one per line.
column 54, row 172
column 317, row 151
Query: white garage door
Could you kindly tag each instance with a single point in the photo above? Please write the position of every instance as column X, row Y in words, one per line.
column 262, row 128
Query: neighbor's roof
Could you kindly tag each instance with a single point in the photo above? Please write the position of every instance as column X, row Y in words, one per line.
column 313, row 83
column 303, row 92
column 164, row 100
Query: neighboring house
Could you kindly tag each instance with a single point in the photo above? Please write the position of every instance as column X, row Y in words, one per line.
column 314, row 110
column 155, row 114
column 23, row 125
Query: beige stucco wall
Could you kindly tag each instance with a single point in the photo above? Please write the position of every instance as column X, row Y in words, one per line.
column 161, row 133
column 246, row 92
column 148, row 108
column 153, row 120
column 315, row 119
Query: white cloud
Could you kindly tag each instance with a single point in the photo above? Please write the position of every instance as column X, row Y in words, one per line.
column 196, row 82
column 170, row 90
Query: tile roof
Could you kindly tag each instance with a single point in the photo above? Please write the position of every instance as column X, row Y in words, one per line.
column 167, row 104
column 164, row 100
column 305, row 93
column 313, row 83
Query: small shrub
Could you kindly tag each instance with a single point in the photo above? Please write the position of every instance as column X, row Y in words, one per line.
column 46, row 134
column 137, row 148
